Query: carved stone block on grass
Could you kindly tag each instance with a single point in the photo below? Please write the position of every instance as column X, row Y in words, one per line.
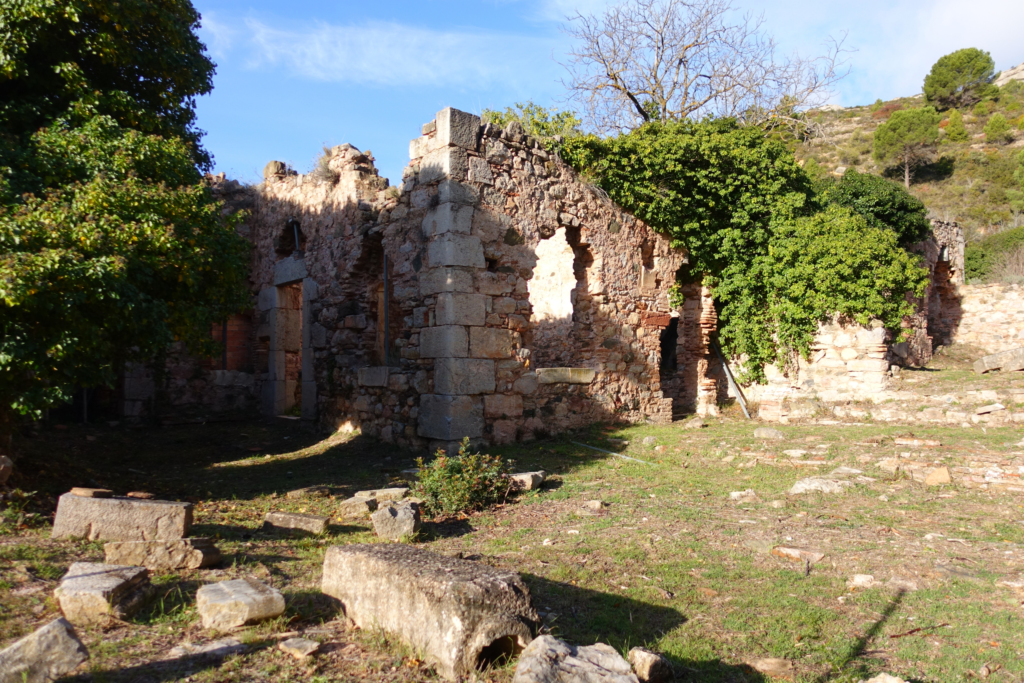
column 90, row 594
column 188, row 553
column 527, row 481
column 294, row 523
column 357, row 507
column 549, row 660
column 121, row 519
column 458, row 613
column 396, row 521
column 48, row 654
column 230, row 604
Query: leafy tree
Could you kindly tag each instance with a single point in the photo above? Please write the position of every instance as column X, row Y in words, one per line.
column 882, row 203
column 998, row 129
column 956, row 131
column 540, row 122
column 903, row 139
column 959, row 79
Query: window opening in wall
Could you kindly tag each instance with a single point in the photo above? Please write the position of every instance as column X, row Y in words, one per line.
column 669, row 339
column 290, row 240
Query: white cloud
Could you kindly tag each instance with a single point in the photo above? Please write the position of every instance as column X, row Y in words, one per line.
column 219, row 36
column 388, row 54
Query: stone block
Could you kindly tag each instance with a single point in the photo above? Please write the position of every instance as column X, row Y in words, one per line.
column 867, row 365
column 229, row 604
column 121, row 519
column 384, row 495
column 47, row 654
column 355, row 322
column 453, row 611
column 457, row 193
column 491, row 342
column 480, row 171
column 565, row 375
column 438, row 280
column 188, row 553
column 527, row 481
column 455, row 308
column 549, row 660
column 456, row 376
column 396, row 521
column 1007, row 361
column 374, row 376
column 450, row 418
column 446, row 341
column 650, row 667
column 526, row 384
column 300, row 648
column 289, row 270
column 457, row 129
column 356, row 507
column 448, row 218
column 447, row 163
column 503, row 405
column 294, row 523
column 267, row 299
column 90, row 594
column 452, row 249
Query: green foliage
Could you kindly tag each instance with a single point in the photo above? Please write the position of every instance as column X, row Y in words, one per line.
column 882, row 203
column 876, row 106
column 738, row 202
column 122, row 254
column 981, row 109
column 956, row 131
column 983, row 257
column 836, row 263
column 998, row 129
column 960, row 78
column 453, row 485
column 540, row 122
column 901, row 140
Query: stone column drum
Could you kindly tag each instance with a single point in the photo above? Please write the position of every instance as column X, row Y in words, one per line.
column 460, row 614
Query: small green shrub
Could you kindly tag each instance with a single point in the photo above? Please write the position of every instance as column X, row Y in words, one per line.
column 981, row 109
column 955, row 130
column 451, row 485
column 998, row 129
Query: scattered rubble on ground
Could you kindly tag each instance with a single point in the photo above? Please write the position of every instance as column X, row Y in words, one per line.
column 229, row 604
column 91, row 594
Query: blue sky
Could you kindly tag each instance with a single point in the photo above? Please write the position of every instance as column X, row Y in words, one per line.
column 294, row 76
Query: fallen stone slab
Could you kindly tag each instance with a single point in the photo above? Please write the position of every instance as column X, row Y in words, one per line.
column 694, row 423
column 121, row 519
column 188, row 553
column 309, row 492
column 300, row 648
column 938, row 476
column 356, row 508
column 863, row 582
column 768, row 434
column 141, row 495
column 917, row 443
column 91, row 493
column 384, row 495
column 774, row 667
column 295, row 523
column 650, row 667
column 458, row 613
column 747, row 496
column 1007, row 361
column 234, row 603
column 214, row 649
column 90, row 594
column 47, row 654
column 549, row 660
column 395, row 522
column 527, row 481
column 992, row 408
column 819, row 485
column 798, row 554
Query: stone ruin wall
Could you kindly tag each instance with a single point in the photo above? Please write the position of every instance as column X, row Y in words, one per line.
column 989, row 317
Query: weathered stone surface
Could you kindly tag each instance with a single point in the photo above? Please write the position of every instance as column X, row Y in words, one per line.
column 819, row 485
column 490, row 342
column 91, row 593
column 300, row 648
column 452, row 249
column 121, row 519
column 188, row 553
column 549, row 660
column 309, row 492
column 768, row 434
column 451, row 610
column 1007, row 361
column 456, row 192
column 357, row 507
column 463, row 376
column 460, row 309
column 295, row 523
column 47, row 654
column 774, row 667
column 991, row 408
column 650, row 667
column 448, row 217
column 445, row 341
column 798, row 554
column 6, row 469
column 884, row 678
column 938, row 477
column 91, row 493
column 457, row 129
column 214, row 649
column 274, row 169
column 234, row 603
column 694, row 423
column 450, row 418
column 448, row 163
column 396, row 521
column 438, row 280
column 565, row 375
column 527, row 481
column 374, row 376
column 384, row 495
column 503, row 405
column 289, row 270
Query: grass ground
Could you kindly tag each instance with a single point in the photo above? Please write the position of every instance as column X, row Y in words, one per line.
column 671, row 563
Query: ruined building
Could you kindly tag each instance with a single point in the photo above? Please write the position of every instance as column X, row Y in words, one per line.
column 493, row 294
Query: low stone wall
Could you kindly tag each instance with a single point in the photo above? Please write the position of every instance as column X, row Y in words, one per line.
column 990, row 317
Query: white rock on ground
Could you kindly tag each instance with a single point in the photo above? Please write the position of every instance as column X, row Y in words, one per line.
column 748, row 496
column 768, row 434
column 884, row 678
column 549, row 660
column 294, row 523
column 650, row 667
column 213, row 649
column 91, row 593
column 819, row 485
column 862, row 581
column 649, row 441
column 234, row 603
column 47, row 654
column 527, row 481
column 384, row 495
column 357, row 507
column 188, row 553
column 398, row 521
column 300, row 648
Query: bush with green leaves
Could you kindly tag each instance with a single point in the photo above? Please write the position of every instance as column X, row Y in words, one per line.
column 903, row 141
column 983, row 257
column 882, row 203
column 539, row 122
column 960, row 79
column 456, row 484
column 997, row 130
column 956, row 131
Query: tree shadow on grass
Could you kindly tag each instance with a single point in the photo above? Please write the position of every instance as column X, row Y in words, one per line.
column 857, row 650
column 584, row 617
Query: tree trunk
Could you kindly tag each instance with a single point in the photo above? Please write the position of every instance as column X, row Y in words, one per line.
column 906, row 171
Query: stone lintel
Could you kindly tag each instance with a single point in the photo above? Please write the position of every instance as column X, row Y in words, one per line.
column 565, row 375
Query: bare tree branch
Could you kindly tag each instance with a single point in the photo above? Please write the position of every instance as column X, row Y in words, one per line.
column 673, row 59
